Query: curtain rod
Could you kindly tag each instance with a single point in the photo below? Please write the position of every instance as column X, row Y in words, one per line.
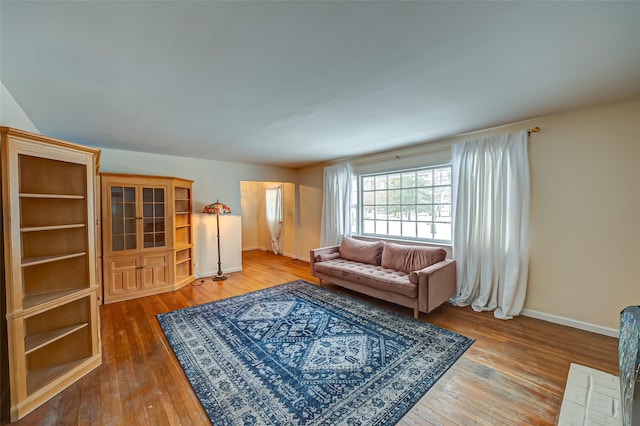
column 375, row 160
column 534, row 129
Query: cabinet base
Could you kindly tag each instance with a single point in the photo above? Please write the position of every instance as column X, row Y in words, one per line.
column 82, row 368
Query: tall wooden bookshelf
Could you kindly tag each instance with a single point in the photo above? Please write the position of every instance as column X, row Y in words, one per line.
column 50, row 272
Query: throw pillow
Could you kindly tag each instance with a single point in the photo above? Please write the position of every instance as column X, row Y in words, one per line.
column 361, row 251
column 410, row 258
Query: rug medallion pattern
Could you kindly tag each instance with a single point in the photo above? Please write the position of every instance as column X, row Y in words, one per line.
column 298, row 354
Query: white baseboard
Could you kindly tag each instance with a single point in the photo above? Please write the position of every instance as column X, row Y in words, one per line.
column 212, row 273
column 594, row 328
column 250, row 248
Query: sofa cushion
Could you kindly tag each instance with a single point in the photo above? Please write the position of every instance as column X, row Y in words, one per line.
column 370, row 275
column 361, row 251
column 410, row 258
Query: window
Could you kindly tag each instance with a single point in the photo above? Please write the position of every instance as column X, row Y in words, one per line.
column 409, row 204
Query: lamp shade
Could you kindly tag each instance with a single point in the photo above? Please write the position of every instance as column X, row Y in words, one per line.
column 217, row 208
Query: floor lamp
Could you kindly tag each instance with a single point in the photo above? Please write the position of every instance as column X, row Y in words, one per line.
column 218, row 209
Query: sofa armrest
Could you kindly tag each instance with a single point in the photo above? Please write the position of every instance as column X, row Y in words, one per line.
column 313, row 254
column 436, row 284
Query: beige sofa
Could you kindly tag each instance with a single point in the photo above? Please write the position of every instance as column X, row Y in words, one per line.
column 417, row 277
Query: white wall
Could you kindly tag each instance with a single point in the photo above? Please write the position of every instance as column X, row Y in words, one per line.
column 250, row 201
column 11, row 114
column 288, row 237
column 585, row 213
column 310, row 208
column 212, row 180
column 205, row 244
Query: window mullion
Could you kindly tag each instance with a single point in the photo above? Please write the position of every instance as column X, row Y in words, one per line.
column 407, row 207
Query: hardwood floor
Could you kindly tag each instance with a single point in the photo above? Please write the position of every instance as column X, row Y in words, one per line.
column 514, row 374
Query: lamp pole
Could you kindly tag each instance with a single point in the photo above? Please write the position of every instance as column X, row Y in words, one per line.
column 219, row 276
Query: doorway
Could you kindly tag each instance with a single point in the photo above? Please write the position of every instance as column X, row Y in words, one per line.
column 255, row 232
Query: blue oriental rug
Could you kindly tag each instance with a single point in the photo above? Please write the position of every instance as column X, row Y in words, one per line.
column 298, row 354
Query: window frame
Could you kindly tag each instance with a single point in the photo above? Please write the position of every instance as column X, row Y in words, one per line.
column 414, row 206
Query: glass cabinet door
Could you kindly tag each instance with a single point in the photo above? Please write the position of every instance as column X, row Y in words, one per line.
column 138, row 217
column 153, row 218
column 123, row 218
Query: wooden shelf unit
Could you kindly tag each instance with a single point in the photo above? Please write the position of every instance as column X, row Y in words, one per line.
column 146, row 222
column 49, row 256
column 183, row 232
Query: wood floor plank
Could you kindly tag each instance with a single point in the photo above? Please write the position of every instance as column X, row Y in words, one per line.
column 514, row 374
column 90, row 403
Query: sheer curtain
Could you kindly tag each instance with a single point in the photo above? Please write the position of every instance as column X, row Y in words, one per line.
column 491, row 223
column 336, row 204
column 273, row 213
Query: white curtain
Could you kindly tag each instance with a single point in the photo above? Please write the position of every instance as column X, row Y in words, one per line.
column 273, row 213
column 491, row 223
column 336, row 204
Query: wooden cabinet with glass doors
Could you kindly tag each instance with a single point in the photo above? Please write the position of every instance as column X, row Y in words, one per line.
column 146, row 235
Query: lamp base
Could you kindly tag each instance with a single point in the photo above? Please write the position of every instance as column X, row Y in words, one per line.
column 219, row 278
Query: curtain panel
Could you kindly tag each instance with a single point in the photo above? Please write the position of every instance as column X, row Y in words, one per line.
column 273, row 213
column 491, row 198
column 336, row 204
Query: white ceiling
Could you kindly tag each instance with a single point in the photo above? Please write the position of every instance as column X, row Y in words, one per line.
column 297, row 82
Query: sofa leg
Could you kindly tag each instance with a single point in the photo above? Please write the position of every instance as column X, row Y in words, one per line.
column 320, row 280
column 416, row 314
